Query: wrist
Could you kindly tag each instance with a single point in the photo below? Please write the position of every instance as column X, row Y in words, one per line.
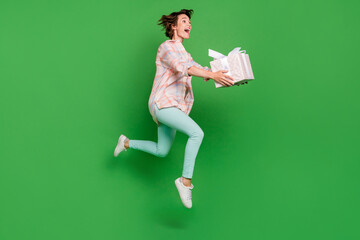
column 210, row 75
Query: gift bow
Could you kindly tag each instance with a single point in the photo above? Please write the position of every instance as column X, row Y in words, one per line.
column 216, row 55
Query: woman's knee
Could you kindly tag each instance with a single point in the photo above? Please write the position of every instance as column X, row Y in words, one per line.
column 201, row 134
column 163, row 152
column 198, row 134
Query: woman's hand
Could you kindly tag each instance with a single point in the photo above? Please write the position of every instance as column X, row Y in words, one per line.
column 223, row 79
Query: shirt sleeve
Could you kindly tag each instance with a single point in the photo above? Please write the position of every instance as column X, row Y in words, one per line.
column 172, row 60
column 199, row 66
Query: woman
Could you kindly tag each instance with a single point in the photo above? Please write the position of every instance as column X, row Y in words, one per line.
column 172, row 98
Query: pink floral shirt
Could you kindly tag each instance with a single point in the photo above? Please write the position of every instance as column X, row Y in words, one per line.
column 172, row 84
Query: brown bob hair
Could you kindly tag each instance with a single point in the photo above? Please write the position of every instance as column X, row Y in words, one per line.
column 166, row 21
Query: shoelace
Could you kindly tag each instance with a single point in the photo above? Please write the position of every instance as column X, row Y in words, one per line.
column 189, row 195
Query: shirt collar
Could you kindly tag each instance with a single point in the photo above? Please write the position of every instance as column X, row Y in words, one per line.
column 177, row 40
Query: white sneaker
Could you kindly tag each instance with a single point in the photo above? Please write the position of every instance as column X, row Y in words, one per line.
column 120, row 145
column 185, row 192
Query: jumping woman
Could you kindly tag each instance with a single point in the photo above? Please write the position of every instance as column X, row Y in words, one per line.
column 171, row 99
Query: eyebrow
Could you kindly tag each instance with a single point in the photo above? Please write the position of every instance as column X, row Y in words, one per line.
column 185, row 18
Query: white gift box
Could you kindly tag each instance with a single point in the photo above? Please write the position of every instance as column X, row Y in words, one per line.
column 236, row 62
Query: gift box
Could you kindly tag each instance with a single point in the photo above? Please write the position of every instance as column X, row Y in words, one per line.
column 236, row 62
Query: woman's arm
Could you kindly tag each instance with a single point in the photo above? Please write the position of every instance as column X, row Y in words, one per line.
column 199, row 72
column 218, row 76
column 193, row 63
column 170, row 58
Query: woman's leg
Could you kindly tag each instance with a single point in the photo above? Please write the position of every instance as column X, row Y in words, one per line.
column 178, row 120
column 166, row 137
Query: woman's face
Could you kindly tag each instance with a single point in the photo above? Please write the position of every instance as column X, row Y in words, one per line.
column 183, row 28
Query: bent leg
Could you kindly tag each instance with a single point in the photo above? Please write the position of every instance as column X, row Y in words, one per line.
column 178, row 120
column 166, row 137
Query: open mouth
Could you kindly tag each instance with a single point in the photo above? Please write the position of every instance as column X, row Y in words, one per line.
column 187, row 31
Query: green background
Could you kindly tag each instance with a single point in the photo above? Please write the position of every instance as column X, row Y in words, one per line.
column 279, row 159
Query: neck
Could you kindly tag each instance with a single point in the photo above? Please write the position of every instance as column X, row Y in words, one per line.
column 177, row 38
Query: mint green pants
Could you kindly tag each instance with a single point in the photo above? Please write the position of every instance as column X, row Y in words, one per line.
column 170, row 120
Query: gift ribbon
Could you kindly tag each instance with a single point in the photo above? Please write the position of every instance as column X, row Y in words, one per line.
column 216, row 55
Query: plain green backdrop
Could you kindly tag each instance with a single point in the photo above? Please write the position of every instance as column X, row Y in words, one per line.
column 279, row 159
